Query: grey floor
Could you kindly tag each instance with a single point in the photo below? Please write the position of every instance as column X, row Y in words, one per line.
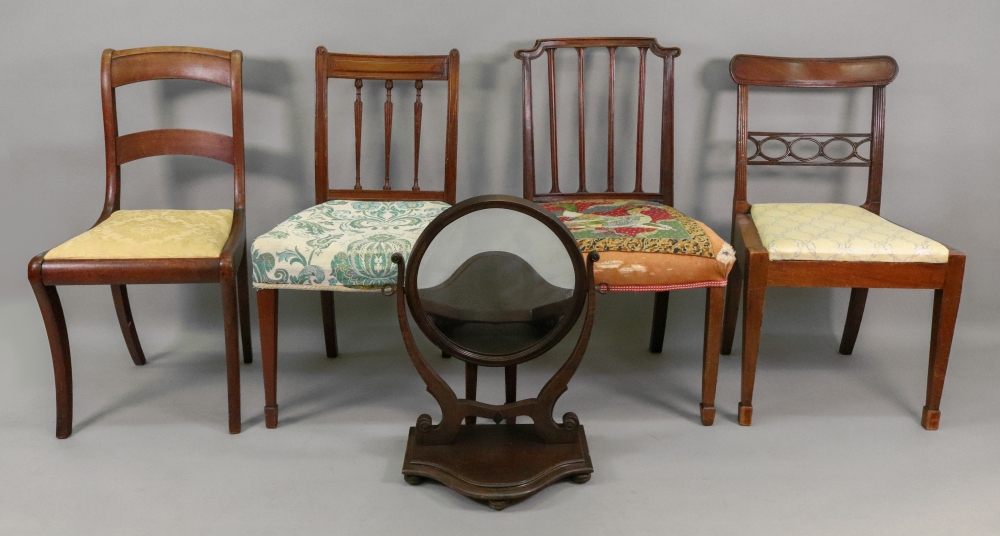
column 836, row 446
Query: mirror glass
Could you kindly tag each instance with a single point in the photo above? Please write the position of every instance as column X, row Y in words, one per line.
column 496, row 281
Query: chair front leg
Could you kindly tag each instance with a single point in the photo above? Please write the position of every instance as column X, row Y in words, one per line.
column 660, row 303
column 267, row 309
column 710, row 358
column 124, row 310
column 942, row 331
column 754, row 291
column 55, row 327
column 230, row 314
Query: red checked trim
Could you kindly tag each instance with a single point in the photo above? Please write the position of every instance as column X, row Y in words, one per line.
column 604, row 287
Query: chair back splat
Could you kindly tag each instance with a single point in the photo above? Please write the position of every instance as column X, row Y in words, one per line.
column 644, row 45
column 123, row 67
column 875, row 72
column 388, row 69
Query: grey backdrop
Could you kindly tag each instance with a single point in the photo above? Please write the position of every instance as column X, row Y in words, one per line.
column 940, row 163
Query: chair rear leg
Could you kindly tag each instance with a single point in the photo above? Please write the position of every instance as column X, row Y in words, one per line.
column 510, row 387
column 660, row 302
column 55, row 328
column 124, row 310
column 471, row 382
column 329, row 323
column 733, row 288
column 710, row 357
column 244, row 297
column 230, row 314
column 942, row 331
column 855, row 311
column 267, row 309
column 754, row 291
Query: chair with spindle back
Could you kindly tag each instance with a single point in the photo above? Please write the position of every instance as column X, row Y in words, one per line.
column 129, row 247
column 645, row 244
column 346, row 241
column 825, row 244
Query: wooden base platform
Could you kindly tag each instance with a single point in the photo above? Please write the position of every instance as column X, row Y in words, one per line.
column 498, row 463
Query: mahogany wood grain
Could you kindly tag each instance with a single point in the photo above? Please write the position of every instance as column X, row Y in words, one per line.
column 418, row 115
column 759, row 272
column 772, row 71
column 174, row 141
column 496, row 463
column 388, row 69
column 663, row 192
column 124, row 311
column 267, row 310
column 229, row 269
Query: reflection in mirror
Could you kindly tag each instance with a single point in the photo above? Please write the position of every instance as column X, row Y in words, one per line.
column 496, row 282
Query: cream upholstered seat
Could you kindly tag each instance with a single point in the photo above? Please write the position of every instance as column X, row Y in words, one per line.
column 645, row 245
column 151, row 234
column 340, row 245
column 837, row 232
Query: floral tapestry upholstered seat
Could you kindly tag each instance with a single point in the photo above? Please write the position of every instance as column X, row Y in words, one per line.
column 340, row 245
column 645, row 245
column 836, row 232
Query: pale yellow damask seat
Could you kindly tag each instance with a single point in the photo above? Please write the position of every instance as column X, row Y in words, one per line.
column 151, row 234
column 836, row 232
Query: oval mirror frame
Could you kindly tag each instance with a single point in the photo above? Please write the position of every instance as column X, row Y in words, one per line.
column 476, row 204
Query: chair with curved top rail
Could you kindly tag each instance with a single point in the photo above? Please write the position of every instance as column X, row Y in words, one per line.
column 155, row 246
column 826, row 244
column 345, row 242
column 645, row 244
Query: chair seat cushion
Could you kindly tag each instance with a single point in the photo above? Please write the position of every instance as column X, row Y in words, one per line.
column 645, row 245
column 151, row 234
column 836, row 232
column 340, row 245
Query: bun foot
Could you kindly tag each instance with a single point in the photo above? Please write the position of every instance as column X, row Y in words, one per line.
column 271, row 416
column 746, row 414
column 707, row 415
column 930, row 419
column 413, row 480
column 581, row 479
column 498, row 505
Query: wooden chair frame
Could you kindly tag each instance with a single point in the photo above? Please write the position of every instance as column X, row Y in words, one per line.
column 759, row 272
column 665, row 190
column 118, row 68
column 361, row 67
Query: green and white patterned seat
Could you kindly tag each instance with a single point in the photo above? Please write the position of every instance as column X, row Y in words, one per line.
column 340, row 245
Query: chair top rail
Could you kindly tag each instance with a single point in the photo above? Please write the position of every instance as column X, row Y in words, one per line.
column 773, row 71
column 157, row 63
column 542, row 45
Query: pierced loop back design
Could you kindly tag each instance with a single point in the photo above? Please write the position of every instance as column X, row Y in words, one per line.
column 389, row 70
column 643, row 45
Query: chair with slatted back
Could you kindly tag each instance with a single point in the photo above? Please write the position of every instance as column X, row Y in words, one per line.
column 645, row 244
column 825, row 244
column 129, row 247
column 346, row 241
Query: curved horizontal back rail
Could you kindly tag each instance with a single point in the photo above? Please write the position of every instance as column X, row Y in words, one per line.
column 157, row 63
column 612, row 44
column 812, row 72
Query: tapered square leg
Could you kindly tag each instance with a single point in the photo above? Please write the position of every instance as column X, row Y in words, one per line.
column 267, row 310
column 244, row 297
column 942, row 331
column 660, row 302
column 714, row 300
column 754, row 291
column 329, row 323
